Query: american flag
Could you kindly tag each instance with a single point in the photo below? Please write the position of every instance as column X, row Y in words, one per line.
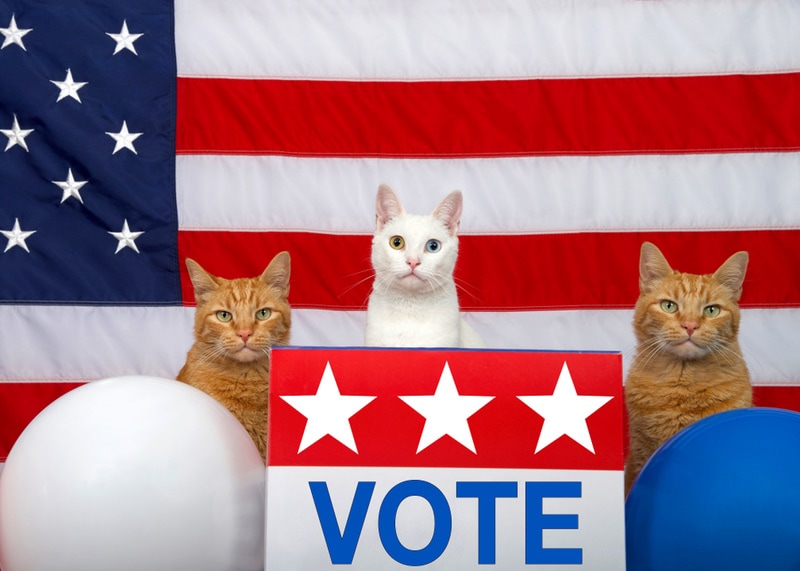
column 137, row 134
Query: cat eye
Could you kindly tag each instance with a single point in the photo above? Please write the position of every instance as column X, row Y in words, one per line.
column 669, row 306
column 433, row 246
column 263, row 314
column 397, row 242
column 224, row 316
column 711, row 310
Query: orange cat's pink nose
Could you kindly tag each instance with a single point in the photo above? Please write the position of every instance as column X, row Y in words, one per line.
column 689, row 327
column 244, row 334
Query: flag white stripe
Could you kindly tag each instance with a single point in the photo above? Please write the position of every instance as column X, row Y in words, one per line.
column 84, row 343
column 529, row 195
column 75, row 344
column 433, row 39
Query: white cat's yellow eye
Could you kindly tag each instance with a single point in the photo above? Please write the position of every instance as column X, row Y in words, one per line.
column 711, row 310
column 397, row 242
column 224, row 316
column 669, row 306
column 263, row 314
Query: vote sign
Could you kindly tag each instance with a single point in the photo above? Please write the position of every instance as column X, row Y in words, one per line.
column 448, row 459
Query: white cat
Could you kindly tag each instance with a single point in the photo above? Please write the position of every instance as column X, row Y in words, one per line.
column 414, row 301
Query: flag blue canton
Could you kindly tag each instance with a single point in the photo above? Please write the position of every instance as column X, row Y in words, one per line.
column 87, row 153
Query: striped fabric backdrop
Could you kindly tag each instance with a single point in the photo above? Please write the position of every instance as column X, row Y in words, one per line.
column 575, row 130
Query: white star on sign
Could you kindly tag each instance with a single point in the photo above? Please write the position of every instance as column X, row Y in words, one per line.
column 446, row 412
column 16, row 136
column 328, row 412
column 16, row 237
column 13, row 34
column 71, row 187
column 69, row 87
column 124, row 139
column 126, row 238
column 565, row 412
column 124, row 39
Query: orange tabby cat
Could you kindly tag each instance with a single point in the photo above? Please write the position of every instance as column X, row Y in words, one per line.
column 688, row 363
column 237, row 322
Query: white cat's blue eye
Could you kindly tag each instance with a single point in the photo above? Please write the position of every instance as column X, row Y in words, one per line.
column 433, row 246
column 263, row 314
column 711, row 310
column 669, row 306
column 224, row 316
column 397, row 242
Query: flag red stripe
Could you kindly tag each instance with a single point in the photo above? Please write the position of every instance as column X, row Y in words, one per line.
column 21, row 402
column 518, row 272
column 777, row 396
column 721, row 113
column 19, row 405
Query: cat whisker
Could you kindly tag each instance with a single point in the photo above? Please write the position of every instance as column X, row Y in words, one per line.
column 209, row 354
column 730, row 355
column 438, row 282
column 367, row 270
column 751, row 358
column 650, row 350
column 462, row 286
column 366, row 297
column 370, row 275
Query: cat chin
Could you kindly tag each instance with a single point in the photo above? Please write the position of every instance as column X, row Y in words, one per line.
column 689, row 351
column 246, row 355
column 415, row 283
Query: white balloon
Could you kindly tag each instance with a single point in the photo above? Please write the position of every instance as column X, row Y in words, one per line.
column 133, row 473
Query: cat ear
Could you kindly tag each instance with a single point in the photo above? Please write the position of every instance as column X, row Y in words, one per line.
column 278, row 272
column 449, row 211
column 731, row 273
column 202, row 281
column 387, row 206
column 652, row 265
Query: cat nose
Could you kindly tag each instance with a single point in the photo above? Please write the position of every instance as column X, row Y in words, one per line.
column 413, row 262
column 690, row 327
column 244, row 334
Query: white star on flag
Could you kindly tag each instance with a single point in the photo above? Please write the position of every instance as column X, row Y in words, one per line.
column 328, row 412
column 13, row 34
column 71, row 187
column 446, row 412
column 16, row 237
column 69, row 87
column 16, row 136
column 124, row 139
column 124, row 39
column 126, row 238
column 565, row 412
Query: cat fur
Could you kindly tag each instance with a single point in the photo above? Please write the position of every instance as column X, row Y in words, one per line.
column 230, row 361
column 687, row 365
column 414, row 302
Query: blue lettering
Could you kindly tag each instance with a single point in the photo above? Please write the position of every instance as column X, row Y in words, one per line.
column 487, row 493
column 536, row 522
column 442, row 523
column 341, row 547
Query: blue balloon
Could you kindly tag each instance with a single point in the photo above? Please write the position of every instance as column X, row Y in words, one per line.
column 722, row 494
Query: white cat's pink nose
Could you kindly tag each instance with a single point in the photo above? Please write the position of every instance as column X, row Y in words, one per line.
column 689, row 327
column 412, row 262
column 244, row 334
